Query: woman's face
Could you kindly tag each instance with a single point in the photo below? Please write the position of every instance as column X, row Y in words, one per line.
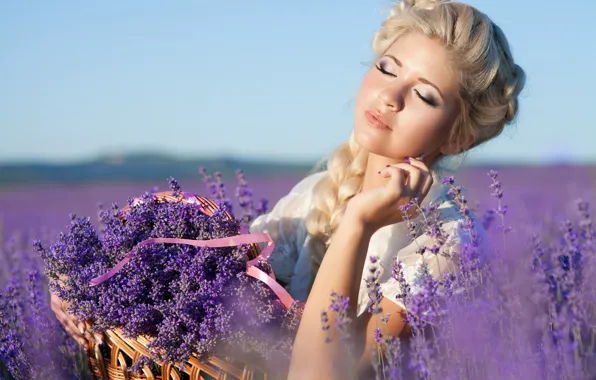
column 408, row 100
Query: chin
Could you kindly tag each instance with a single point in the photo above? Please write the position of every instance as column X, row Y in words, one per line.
column 379, row 145
column 371, row 143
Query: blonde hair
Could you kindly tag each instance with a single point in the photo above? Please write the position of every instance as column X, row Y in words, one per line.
column 490, row 82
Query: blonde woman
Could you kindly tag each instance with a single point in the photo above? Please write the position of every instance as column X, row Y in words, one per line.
column 443, row 82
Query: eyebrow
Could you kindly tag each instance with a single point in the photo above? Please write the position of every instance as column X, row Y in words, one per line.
column 421, row 80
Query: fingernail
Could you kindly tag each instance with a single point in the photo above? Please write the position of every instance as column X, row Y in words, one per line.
column 421, row 156
column 407, row 160
column 82, row 330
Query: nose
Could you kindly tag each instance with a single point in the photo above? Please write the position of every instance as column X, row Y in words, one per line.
column 392, row 97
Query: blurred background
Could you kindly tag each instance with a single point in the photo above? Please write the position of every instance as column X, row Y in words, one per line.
column 100, row 101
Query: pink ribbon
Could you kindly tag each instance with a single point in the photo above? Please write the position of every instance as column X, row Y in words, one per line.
column 231, row 241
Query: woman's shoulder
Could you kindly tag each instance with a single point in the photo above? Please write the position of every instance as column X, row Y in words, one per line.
column 285, row 225
column 293, row 205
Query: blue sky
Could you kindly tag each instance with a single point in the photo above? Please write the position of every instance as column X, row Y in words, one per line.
column 261, row 79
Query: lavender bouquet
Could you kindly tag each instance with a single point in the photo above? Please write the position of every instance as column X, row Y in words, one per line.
column 188, row 300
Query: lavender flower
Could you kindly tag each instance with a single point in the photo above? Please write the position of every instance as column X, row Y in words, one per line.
column 33, row 344
column 524, row 312
column 530, row 316
column 217, row 189
column 374, row 289
column 200, row 300
column 340, row 305
column 398, row 274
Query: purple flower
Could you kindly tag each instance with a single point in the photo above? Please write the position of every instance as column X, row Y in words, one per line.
column 33, row 344
column 372, row 284
column 199, row 300
column 340, row 305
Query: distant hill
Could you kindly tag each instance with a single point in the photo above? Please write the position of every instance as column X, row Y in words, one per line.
column 149, row 167
column 139, row 167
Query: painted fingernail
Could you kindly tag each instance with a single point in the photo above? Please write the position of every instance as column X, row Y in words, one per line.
column 407, row 160
column 421, row 156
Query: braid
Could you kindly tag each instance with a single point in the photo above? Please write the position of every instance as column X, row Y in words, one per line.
column 345, row 173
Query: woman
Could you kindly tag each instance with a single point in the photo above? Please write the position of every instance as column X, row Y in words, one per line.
column 443, row 82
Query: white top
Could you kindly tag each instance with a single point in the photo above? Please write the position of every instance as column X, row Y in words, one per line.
column 285, row 224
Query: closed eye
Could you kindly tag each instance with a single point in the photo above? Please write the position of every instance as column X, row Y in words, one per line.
column 430, row 102
column 382, row 69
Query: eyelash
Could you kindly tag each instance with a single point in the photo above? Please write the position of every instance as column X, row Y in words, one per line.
column 429, row 102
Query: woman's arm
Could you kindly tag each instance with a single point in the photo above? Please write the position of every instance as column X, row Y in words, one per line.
column 313, row 357
column 340, row 271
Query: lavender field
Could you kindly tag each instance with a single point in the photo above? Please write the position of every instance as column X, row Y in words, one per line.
column 522, row 332
column 36, row 208
column 533, row 195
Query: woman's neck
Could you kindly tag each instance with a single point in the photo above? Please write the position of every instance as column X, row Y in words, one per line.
column 372, row 178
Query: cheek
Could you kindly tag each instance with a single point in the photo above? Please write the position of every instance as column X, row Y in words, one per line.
column 422, row 126
column 367, row 88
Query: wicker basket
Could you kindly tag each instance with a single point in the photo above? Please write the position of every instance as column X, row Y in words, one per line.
column 112, row 360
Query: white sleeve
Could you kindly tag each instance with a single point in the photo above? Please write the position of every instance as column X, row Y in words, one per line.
column 437, row 264
column 285, row 224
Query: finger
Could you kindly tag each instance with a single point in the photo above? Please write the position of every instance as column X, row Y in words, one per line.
column 427, row 178
column 84, row 336
column 85, row 331
column 75, row 327
column 73, row 330
column 66, row 322
column 417, row 162
column 92, row 336
column 397, row 179
column 413, row 177
column 98, row 337
column 428, row 182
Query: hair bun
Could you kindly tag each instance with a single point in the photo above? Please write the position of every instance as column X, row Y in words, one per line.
column 512, row 89
column 421, row 4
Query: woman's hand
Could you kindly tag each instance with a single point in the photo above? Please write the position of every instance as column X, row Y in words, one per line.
column 72, row 325
column 379, row 207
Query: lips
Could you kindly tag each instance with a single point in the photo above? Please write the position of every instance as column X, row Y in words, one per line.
column 376, row 119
